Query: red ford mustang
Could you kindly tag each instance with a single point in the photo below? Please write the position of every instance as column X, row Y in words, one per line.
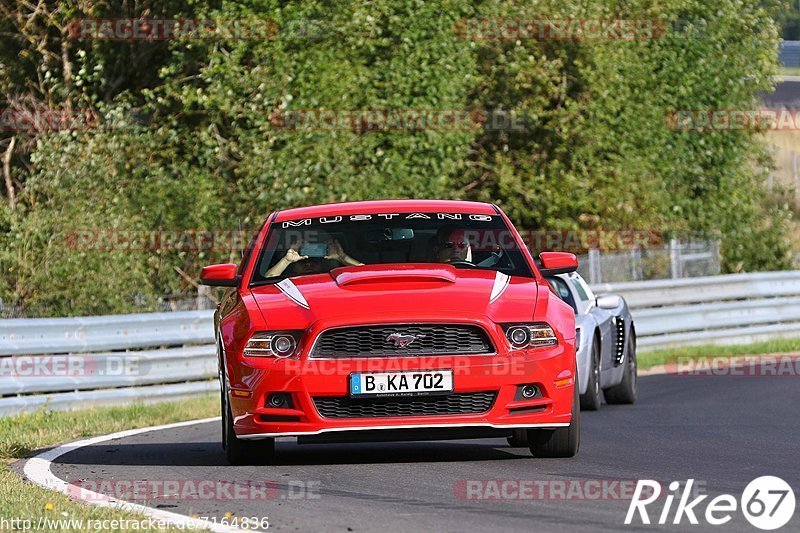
column 394, row 320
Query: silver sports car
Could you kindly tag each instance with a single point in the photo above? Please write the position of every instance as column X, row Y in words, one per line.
column 605, row 339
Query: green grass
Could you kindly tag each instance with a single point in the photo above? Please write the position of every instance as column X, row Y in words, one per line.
column 20, row 436
column 789, row 71
column 650, row 358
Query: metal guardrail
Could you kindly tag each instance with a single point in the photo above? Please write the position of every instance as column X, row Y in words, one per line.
column 178, row 359
column 789, row 53
column 644, row 294
column 112, row 332
column 729, row 309
column 182, row 365
column 13, row 405
column 110, row 370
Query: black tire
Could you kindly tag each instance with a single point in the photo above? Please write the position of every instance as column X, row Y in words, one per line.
column 590, row 400
column 561, row 442
column 238, row 451
column 625, row 392
column 519, row 439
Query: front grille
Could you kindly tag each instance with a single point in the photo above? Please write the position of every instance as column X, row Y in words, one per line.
column 467, row 403
column 431, row 339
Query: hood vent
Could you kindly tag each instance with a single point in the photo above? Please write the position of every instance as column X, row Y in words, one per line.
column 394, row 273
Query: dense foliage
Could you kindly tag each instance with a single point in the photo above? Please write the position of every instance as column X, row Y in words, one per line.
column 191, row 134
column 787, row 16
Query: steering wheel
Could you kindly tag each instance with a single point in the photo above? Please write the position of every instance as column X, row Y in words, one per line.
column 462, row 262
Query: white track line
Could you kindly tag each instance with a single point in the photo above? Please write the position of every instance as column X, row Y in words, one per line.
column 37, row 469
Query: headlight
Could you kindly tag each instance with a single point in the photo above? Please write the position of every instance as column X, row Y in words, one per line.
column 271, row 344
column 530, row 335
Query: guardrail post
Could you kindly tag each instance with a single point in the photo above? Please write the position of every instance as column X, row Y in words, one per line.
column 595, row 273
column 675, row 259
column 203, row 299
column 715, row 250
column 636, row 263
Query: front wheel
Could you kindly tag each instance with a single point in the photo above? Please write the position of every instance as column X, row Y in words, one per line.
column 590, row 401
column 561, row 442
column 238, row 451
column 625, row 392
column 519, row 439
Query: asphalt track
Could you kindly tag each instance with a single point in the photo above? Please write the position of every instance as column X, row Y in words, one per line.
column 721, row 431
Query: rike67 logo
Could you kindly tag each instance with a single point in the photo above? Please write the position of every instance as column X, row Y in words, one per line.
column 767, row 502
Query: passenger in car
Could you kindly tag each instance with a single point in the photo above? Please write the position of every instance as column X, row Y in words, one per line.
column 301, row 264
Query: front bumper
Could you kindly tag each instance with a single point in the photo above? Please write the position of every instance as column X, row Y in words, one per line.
column 551, row 369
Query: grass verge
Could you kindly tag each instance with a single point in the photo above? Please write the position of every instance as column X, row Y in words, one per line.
column 21, row 435
column 650, row 358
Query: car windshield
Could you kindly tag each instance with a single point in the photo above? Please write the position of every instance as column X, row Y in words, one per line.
column 318, row 245
column 559, row 286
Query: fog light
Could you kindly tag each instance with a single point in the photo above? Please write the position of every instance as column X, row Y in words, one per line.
column 529, row 391
column 278, row 400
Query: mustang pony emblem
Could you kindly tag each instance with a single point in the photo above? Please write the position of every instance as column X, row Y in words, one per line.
column 403, row 340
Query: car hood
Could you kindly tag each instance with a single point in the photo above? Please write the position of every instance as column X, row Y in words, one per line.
column 387, row 293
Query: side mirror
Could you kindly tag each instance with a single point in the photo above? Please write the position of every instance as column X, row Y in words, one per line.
column 609, row 301
column 557, row 263
column 223, row 275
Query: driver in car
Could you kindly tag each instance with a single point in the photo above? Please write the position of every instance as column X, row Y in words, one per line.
column 452, row 245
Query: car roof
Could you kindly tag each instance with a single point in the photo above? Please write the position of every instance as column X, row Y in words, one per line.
column 387, row 206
